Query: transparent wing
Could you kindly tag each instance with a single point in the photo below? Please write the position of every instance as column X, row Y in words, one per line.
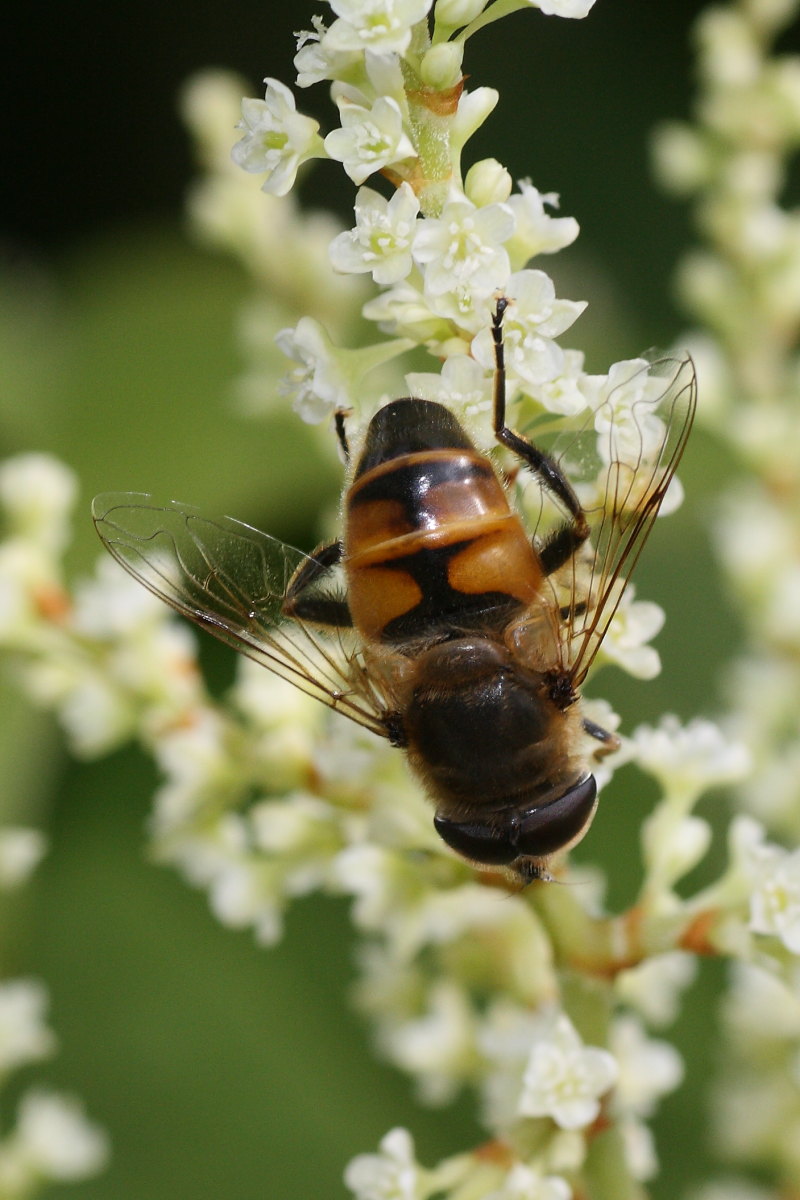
column 621, row 462
column 232, row 580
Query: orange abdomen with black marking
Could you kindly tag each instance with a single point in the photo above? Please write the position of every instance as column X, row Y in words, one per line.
column 432, row 546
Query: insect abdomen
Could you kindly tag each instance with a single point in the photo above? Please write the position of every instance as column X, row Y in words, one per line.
column 430, row 538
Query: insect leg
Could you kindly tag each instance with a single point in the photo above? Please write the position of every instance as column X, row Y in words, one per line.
column 609, row 741
column 564, row 543
column 321, row 610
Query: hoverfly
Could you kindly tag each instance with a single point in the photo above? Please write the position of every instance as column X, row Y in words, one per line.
column 438, row 621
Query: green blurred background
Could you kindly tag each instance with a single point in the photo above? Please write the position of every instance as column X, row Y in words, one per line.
column 219, row 1069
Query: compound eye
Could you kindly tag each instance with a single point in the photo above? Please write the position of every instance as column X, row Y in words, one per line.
column 476, row 841
column 559, row 824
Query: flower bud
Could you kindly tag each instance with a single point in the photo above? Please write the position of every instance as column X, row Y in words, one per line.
column 441, row 66
column 487, row 182
column 458, row 12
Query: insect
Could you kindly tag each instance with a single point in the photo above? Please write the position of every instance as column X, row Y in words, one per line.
column 438, row 621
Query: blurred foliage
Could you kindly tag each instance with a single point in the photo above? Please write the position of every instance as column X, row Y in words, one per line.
column 219, row 1069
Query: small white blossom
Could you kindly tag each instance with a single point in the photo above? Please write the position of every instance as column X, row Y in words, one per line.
column 437, row 1048
column 381, row 240
column 655, row 985
column 563, row 8
column 113, row 605
column 369, row 138
column 648, row 1068
column 391, row 1175
column 382, row 26
column 404, row 310
column 761, row 1006
column 277, row 138
column 317, row 383
column 56, row 1139
column 775, row 899
column 634, row 623
column 536, row 232
column 463, row 383
column 463, row 248
column 672, row 844
column 531, row 324
column 564, row 394
column 688, row 759
column 525, row 1183
column 24, row 1037
column 21, row 849
column 37, row 493
column 317, row 60
column 565, row 1079
column 624, row 401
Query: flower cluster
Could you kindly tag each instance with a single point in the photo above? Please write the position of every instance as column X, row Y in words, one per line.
column 541, row 1002
column 742, row 286
column 441, row 246
column 50, row 1141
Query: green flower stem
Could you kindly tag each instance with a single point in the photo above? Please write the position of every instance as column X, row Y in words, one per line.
column 501, row 8
column 607, row 1171
column 601, row 947
column 431, row 113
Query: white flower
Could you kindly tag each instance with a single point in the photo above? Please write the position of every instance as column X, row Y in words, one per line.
column 382, row 26
column 563, row 8
column 21, row 849
column 655, row 985
column 565, row 1079
column 529, row 329
column 370, row 138
column 463, row 248
column 381, row 240
column 672, row 844
column 37, row 493
column 23, row 1035
column 463, row 383
column 629, row 430
column 648, row 1068
column 761, row 1006
column 316, row 60
column 438, row 1048
column 317, row 383
column 301, row 833
column 391, row 1175
column 688, row 759
column 525, row 1183
column 634, row 623
column 113, row 605
column 277, row 138
column 536, row 231
column 55, row 1137
column 564, row 393
column 775, row 898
